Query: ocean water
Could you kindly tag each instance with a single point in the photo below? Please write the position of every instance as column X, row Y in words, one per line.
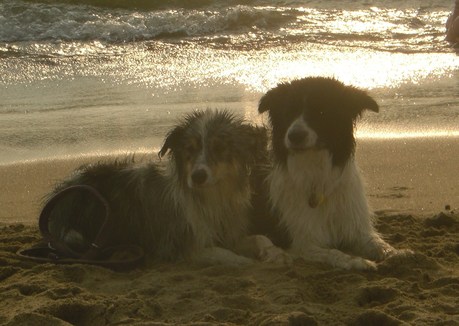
column 101, row 76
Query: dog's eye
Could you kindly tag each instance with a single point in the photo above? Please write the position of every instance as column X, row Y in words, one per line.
column 320, row 114
column 191, row 147
column 218, row 146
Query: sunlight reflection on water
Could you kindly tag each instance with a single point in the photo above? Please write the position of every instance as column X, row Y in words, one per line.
column 402, row 134
column 116, row 79
column 262, row 69
column 164, row 66
column 173, row 74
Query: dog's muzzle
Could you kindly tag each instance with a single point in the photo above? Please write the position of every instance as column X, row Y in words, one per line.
column 300, row 136
column 199, row 176
column 297, row 137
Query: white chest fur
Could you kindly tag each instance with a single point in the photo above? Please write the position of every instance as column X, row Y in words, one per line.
column 338, row 219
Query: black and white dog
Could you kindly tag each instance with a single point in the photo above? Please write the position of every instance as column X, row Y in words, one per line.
column 315, row 185
column 201, row 199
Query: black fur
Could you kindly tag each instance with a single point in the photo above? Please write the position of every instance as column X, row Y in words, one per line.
column 264, row 218
column 330, row 108
column 140, row 212
column 145, row 200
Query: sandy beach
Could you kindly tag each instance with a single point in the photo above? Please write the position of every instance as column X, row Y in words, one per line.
column 92, row 76
column 411, row 184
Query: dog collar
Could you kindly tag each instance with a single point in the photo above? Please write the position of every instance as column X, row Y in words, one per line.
column 316, row 200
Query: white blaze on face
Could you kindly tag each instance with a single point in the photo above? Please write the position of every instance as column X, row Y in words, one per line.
column 300, row 136
column 201, row 174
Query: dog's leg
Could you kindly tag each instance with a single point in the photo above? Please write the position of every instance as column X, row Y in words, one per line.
column 336, row 258
column 260, row 247
column 375, row 248
column 220, row 256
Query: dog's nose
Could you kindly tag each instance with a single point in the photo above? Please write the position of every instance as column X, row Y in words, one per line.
column 297, row 136
column 199, row 176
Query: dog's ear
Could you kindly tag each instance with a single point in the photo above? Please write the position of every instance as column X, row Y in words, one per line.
column 171, row 141
column 360, row 101
column 264, row 103
column 269, row 101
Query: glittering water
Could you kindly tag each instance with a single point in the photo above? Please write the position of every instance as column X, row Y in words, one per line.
column 77, row 78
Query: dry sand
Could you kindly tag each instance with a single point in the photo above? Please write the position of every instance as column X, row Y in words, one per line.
column 409, row 184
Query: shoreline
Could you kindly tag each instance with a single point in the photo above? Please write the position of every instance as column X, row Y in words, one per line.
column 402, row 175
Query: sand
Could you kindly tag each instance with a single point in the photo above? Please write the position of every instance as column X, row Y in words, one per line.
column 412, row 184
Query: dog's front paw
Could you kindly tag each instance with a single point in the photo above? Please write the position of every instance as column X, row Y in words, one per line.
column 276, row 255
column 385, row 251
column 400, row 253
column 221, row 256
column 362, row 264
column 261, row 248
column 378, row 250
column 339, row 259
